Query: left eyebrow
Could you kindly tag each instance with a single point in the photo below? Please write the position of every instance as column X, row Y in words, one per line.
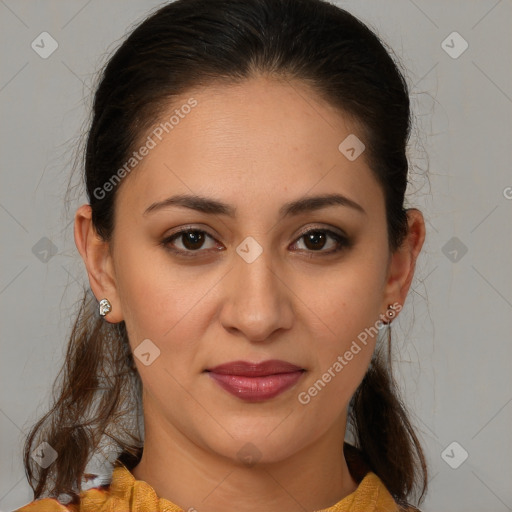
column 215, row 207
column 312, row 203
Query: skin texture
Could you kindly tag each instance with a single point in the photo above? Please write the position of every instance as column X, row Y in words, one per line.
column 255, row 146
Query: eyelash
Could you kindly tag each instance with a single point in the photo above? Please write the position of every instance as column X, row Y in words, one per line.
column 343, row 242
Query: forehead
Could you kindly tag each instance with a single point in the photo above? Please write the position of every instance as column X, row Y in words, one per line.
column 251, row 139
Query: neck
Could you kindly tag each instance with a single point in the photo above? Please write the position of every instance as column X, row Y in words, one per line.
column 193, row 478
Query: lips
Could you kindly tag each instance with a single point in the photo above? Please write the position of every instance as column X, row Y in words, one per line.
column 256, row 382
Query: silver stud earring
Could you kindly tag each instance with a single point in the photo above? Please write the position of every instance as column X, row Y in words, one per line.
column 105, row 307
column 390, row 313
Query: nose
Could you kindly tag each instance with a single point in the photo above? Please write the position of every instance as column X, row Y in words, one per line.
column 257, row 301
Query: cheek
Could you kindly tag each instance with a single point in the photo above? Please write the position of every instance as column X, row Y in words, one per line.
column 343, row 318
column 344, row 344
column 170, row 307
column 164, row 303
column 350, row 299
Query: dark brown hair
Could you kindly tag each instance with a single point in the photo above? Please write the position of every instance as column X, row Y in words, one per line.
column 193, row 43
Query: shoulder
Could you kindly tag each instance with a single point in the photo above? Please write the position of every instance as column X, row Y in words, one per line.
column 90, row 500
column 47, row 505
column 359, row 468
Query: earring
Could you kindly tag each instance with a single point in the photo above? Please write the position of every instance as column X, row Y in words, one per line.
column 105, row 307
column 390, row 313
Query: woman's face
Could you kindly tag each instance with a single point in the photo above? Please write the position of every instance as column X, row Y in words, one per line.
column 246, row 284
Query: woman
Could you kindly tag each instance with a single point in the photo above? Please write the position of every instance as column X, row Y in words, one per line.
column 245, row 242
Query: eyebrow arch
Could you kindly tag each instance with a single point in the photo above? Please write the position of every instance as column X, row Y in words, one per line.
column 214, row 207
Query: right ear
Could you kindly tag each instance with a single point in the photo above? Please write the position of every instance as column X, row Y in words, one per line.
column 98, row 261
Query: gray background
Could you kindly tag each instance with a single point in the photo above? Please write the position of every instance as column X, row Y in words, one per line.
column 453, row 339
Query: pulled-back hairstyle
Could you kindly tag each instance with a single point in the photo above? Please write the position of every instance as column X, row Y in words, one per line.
column 193, row 43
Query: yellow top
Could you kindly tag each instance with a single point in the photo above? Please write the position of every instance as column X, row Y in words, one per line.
column 126, row 494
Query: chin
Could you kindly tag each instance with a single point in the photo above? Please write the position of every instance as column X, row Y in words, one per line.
column 261, row 446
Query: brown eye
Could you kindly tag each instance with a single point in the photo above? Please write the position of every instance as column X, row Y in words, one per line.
column 316, row 240
column 192, row 240
column 188, row 241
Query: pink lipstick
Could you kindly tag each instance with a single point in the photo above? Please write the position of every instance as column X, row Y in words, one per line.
column 256, row 382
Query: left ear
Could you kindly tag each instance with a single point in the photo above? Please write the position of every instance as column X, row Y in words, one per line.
column 403, row 260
